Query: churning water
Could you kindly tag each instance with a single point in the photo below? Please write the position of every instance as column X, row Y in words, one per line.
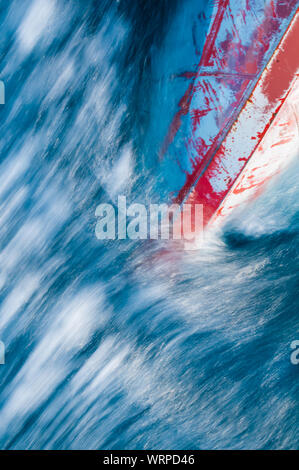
column 111, row 345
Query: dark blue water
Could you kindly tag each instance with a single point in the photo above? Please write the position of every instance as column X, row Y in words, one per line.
column 108, row 344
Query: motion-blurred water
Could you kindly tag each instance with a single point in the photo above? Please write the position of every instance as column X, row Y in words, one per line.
column 108, row 344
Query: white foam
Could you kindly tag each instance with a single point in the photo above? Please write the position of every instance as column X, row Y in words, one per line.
column 18, row 297
column 35, row 24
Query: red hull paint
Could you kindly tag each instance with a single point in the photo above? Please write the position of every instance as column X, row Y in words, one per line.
column 258, row 119
column 258, row 132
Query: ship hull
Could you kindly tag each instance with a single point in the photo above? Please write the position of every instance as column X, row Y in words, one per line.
column 241, row 112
